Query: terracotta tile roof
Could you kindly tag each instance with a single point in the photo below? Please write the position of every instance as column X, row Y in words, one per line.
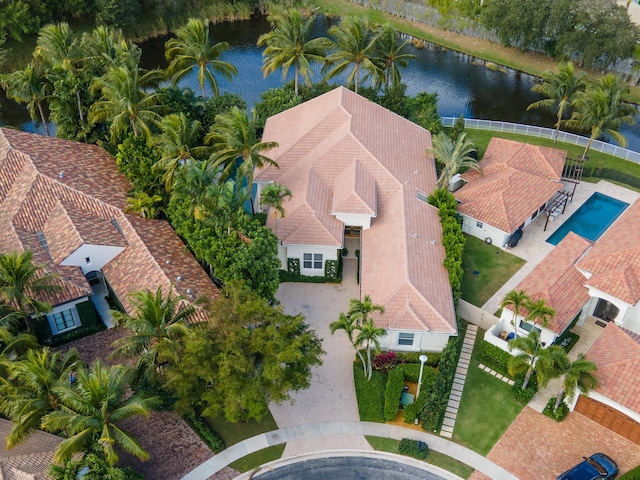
column 557, row 280
column 319, row 141
column 354, row 191
column 52, row 215
column 517, row 178
column 617, row 354
column 614, row 261
column 28, row 460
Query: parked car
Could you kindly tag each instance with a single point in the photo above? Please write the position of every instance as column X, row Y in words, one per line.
column 597, row 466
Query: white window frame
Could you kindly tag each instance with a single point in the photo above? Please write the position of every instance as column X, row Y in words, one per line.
column 313, row 262
column 402, row 341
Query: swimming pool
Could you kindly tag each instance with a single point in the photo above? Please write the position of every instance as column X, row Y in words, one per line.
column 591, row 219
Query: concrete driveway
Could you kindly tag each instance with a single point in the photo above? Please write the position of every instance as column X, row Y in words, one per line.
column 331, row 396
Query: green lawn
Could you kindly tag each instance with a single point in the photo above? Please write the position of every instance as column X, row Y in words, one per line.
column 494, row 267
column 370, row 394
column 486, row 408
column 434, row 458
column 231, row 433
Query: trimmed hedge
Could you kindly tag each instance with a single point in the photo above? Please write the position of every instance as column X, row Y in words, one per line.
column 413, row 448
column 331, row 269
column 392, row 393
column 494, row 357
column 428, row 379
column 204, row 432
column 293, row 266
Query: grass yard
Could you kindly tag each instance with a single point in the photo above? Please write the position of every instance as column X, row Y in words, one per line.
column 231, row 433
column 494, row 267
column 370, row 394
column 486, row 408
column 434, row 458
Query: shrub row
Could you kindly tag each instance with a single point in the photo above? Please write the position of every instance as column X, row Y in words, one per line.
column 413, row 448
column 428, row 379
column 204, row 431
column 494, row 357
column 392, row 393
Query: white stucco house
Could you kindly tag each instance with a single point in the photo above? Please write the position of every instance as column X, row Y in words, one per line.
column 518, row 181
column 352, row 165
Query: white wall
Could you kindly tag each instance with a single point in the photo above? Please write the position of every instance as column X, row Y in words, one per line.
column 506, row 317
column 62, row 308
column 354, row 220
column 498, row 237
column 422, row 341
column 297, row 251
column 99, row 256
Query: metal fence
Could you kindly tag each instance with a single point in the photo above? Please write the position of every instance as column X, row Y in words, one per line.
column 542, row 132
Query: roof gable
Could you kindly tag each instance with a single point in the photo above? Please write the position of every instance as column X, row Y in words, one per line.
column 354, row 191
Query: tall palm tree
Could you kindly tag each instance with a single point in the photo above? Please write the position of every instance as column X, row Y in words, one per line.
column 390, row 56
column 29, row 395
column 191, row 50
column 127, row 101
column 452, row 156
column 539, row 311
column 354, row 50
column 23, row 284
column 349, row 326
column 89, row 412
column 177, row 143
column 55, row 44
column 288, row 44
column 194, row 181
column 369, row 335
column 525, row 360
column 224, row 205
column 236, row 146
column 559, row 89
column 273, row 195
column 579, row 376
column 12, row 346
column 552, row 363
column 515, row 299
column 158, row 321
column 361, row 309
column 601, row 109
column 29, row 86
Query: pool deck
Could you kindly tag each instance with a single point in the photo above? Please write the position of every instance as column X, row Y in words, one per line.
column 533, row 246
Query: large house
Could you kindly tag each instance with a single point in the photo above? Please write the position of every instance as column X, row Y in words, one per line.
column 516, row 183
column 64, row 201
column 352, row 165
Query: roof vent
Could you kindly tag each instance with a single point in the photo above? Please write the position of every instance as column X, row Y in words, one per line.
column 416, row 172
column 179, row 278
column 188, row 291
column 167, row 262
column 406, row 182
column 61, row 175
column 433, row 242
column 414, row 235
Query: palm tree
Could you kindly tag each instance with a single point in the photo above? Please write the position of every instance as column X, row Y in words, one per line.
column 515, row 299
column 236, row 147
column 177, row 143
column 22, row 283
column 601, row 109
column 552, row 363
column 191, row 50
column 13, row 345
column 390, row 56
column 29, row 86
column 559, row 89
column 143, row 204
column 579, row 376
column 127, row 101
column 158, row 321
column 369, row 335
column 452, row 156
column 55, row 44
column 90, row 409
column 354, row 49
column 224, row 205
column 194, row 181
column 525, row 360
column 29, row 395
column 360, row 309
column 349, row 326
column 539, row 310
column 288, row 44
column 273, row 195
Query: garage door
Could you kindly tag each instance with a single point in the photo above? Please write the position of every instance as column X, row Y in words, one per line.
column 609, row 417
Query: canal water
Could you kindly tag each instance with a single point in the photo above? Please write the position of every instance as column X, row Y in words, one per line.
column 464, row 84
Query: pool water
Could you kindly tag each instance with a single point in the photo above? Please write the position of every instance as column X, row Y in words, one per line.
column 592, row 219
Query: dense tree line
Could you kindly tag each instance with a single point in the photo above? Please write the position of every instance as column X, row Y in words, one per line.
column 594, row 33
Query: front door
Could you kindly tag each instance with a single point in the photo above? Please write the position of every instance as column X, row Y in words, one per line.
column 605, row 310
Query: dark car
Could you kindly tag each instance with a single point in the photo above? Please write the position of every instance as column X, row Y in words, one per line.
column 597, row 466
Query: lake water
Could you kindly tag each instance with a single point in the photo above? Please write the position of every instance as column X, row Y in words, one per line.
column 464, row 85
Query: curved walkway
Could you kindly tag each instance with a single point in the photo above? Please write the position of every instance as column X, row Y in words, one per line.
column 283, row 435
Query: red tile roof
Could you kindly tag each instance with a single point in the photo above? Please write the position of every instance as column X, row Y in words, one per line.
column 617, row 354
column 516, row 179
column 29, row 460
column 56, row 195
column 556, row 280
column 614, row 261
column 341, row 140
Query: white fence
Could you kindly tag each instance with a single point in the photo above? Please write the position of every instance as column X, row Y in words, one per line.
column 543, row 132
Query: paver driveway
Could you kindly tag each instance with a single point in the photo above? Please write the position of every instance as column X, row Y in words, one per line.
column 331, row 396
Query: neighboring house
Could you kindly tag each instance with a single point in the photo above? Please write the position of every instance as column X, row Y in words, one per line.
column 28, row 460
column 65, row 202
column 615, row 403
column 352, row 165
column 556, row 280
column 518, row 181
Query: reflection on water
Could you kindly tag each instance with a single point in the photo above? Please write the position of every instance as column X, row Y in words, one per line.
column 464, row 85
